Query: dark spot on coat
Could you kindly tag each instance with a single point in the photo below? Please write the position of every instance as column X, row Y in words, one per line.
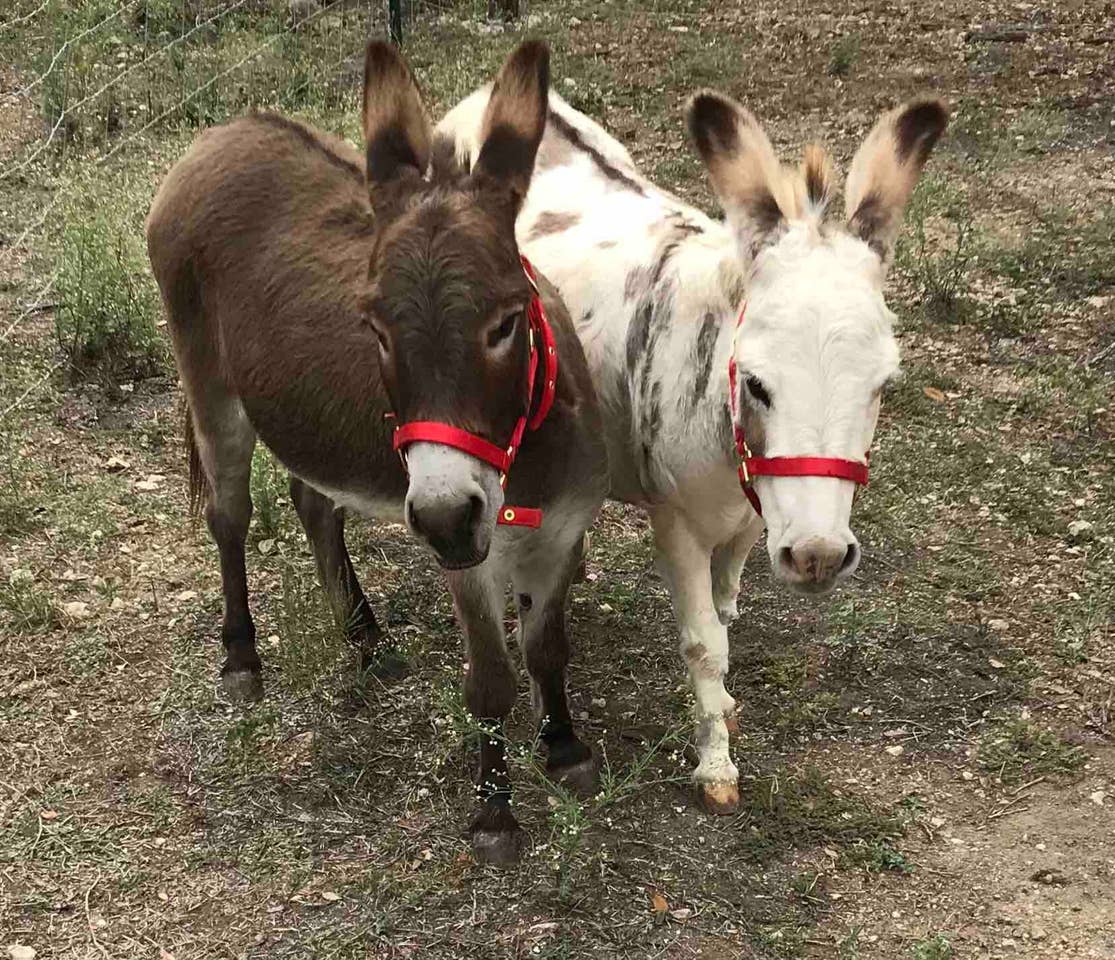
column 611, row 172
column 703, row 356
column 869, row 222
column 638, row 335
column 549, row 222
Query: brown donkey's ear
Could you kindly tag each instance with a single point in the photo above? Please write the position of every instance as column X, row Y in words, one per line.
column 745, row 173
column 885, row 171
column 396, row 131
column 515, row 120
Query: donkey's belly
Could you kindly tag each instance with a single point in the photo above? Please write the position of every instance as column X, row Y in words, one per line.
column 375, row 506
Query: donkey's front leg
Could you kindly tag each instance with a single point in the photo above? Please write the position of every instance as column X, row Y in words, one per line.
column 490, row 687
column 541, row 579
column 685, row 562
column 727, row 566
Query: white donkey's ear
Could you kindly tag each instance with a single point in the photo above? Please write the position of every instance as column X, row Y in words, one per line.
column 746, row 175
column 886, row 168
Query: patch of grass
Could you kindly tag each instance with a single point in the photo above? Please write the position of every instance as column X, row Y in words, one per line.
column 310, row 639
column 936, row 947
column 800, row 808
column 105, row 322
column 844, row 54
column 1022, row 751
column 269, row 486
column 31, row 607
column 936, row 249
column 878, row 856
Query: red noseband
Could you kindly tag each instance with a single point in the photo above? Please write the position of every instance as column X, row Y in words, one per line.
column 541, row 338
column 751, row 466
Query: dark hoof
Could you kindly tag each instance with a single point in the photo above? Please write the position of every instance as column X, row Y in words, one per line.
column 581, row 779
column 242, row 685
column 384, row 664
column 496, row 836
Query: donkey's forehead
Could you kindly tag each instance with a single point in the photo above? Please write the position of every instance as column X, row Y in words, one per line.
column 820, row 304
column 443, row 236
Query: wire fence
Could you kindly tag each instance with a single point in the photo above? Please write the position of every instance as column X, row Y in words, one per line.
column 97, row 88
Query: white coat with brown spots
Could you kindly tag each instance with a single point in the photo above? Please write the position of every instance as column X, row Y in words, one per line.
column 655, row 288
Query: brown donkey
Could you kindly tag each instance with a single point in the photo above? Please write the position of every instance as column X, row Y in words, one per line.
column 319, row 300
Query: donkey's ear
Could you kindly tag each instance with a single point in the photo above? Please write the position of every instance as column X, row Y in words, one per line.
column 396, row 131
column 745, row 173
column 515, row 121
column 885, row 171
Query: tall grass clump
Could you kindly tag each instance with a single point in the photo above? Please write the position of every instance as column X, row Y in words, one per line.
column 105, row 320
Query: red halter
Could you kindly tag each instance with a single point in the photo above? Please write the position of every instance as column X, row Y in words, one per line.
column 751, row 466
column 432, row 431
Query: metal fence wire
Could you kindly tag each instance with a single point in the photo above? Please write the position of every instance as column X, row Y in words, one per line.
column 92, row 82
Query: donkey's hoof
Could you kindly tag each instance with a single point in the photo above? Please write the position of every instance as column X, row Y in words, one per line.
column 242, row 685
column 496, row 836
column 581, row 778
column 721, row 799
column 384, row 664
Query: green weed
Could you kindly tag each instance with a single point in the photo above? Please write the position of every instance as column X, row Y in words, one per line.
column 31, row 607
column 937, row 248
column 935, row 948
column 1021, row 751
column 844, row 54
column 105, row 322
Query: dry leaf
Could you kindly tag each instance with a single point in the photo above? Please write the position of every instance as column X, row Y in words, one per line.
column 658, row 903
column 266, row 546
column 330, row 897
column 934, row 394
column 48, row 814
column 76, row 610
column 681, row 913
column 165, row 954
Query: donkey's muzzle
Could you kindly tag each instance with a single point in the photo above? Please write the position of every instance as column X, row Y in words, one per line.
column 816, row 564
column 452, row 527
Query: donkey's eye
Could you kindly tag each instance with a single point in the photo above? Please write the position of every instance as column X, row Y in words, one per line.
column 505, row 329
column 758, row 391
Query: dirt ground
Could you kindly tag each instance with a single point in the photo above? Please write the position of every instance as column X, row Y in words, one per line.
column 927, row 757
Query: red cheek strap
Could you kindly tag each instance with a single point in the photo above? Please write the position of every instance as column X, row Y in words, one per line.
column 543, row 353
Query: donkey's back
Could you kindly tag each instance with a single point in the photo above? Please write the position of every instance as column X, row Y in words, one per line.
column 259, row 241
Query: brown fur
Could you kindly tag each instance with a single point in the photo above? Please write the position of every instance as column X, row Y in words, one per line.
column 311, row 292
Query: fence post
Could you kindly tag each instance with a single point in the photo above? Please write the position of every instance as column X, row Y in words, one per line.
column 507, row 9
column 395, row 21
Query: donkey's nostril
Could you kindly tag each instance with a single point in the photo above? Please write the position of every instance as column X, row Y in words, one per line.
column 412, row 519
column 851, row 558
column 786, row 559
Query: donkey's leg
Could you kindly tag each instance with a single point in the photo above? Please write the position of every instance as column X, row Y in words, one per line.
column 541, row 578
column 478, row 597
column 325, row 529
column 727, row 566
column 225, row 440
column 685, row 562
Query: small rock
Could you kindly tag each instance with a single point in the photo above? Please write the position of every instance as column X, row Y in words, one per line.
column 76, row 610
column 996, row 664
column 116, row 465
column 599, row 702
column 897, row 750
column 17, row 951
column 1079, row 527
column 186, row 595
column 266, row 546
column 117, row 604
column 1098, row 797
column 999, row 626
column 1037, row 933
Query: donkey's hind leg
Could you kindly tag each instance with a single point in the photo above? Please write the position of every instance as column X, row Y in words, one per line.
column 224, row 441
column 324, row 524
column 543, row 572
